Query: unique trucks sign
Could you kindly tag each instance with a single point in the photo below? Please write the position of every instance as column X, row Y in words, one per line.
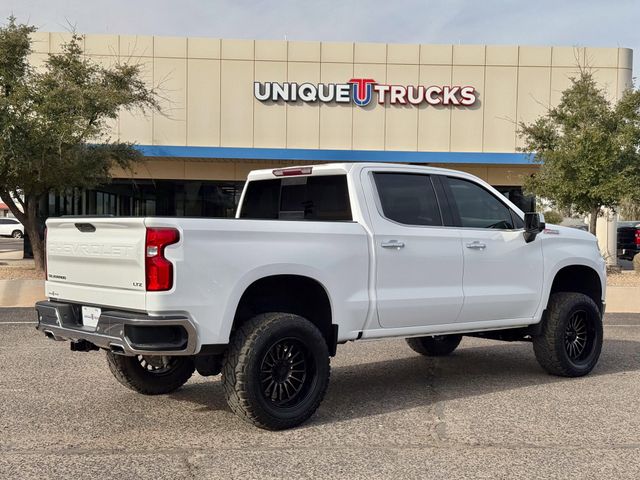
column 361, row 92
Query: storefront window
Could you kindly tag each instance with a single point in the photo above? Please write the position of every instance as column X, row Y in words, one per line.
column 169, row 198
column 179, row 198
column 526, row 203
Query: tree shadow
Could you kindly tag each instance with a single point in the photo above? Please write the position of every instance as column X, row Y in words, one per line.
column 382, row 387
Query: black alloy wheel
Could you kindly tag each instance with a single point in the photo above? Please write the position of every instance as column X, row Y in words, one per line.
column 286, row 372
column 570, row 340
column 151, row 374
column 578, row 336
column 156, row 364
column 434, row 346
column 276, row 370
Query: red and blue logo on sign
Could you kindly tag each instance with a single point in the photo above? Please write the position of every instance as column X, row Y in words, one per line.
column 362, row 90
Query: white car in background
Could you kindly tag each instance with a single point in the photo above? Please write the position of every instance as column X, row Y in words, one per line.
column 10, row 227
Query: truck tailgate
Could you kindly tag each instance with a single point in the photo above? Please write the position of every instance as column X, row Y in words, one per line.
column 96, row 255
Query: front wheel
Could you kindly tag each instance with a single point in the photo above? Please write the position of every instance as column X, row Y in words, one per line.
column 276, row 370
column 151, row 374
column 16, row 234
column 570, row 342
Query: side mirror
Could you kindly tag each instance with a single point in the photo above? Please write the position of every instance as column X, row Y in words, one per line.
column 533, row 225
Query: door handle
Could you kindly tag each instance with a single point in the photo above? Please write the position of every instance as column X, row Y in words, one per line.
column 476, row 245
column 393, row 244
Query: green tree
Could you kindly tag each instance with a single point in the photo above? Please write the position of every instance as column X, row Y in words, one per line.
column 587, row 148
column 629, row 210
column 551, row 216
column 54, row 123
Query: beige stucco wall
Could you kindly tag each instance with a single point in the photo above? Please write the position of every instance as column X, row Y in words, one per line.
column 206, row 87
column 161, row 168
column 227, row 169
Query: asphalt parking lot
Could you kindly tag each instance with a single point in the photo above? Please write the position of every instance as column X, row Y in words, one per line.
column 487, row 411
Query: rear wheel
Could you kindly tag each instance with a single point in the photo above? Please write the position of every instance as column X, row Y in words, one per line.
column 571, row 338
column 276, row 370
column 151, row 374
column 16, row 234
column 434, row 346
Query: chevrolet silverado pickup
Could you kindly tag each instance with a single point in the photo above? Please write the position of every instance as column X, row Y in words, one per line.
column 318, row 256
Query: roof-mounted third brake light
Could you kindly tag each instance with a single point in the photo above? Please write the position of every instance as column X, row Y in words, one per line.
column 289, row 172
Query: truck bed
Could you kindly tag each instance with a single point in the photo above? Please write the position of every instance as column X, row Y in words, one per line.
column 214, row 261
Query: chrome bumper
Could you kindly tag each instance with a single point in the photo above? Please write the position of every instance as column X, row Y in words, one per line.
column 126, row 333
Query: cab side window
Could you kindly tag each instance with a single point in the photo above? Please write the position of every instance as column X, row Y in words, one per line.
column 408, row 198
column 478, row 208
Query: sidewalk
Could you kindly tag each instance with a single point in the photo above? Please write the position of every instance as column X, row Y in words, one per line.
column 12, row 255
column 20, row 286
column 623, row 299
column 21, row 293
column 24, row 293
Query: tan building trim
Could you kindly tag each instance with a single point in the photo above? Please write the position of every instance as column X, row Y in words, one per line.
column 206, row 85
column 207, row 90
column 199, row 169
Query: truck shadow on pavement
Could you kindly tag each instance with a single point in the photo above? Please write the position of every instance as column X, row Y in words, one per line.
column 381, row 387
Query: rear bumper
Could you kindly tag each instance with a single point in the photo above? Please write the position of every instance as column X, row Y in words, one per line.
column 122, row 332
column 628, row 252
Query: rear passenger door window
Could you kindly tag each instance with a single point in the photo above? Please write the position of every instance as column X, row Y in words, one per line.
column 408, row 198
column 479, row 208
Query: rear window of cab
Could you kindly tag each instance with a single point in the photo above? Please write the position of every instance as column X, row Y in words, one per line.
column 319, row 197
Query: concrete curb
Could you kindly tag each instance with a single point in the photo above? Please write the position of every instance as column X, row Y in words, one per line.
column 12, row 255
column 24, row 293
column 623, row 300
column 21, row 293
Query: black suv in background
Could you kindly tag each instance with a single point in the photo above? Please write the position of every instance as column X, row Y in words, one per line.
column 628, row 239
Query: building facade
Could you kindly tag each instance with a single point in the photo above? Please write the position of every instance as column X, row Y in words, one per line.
column 231, row 106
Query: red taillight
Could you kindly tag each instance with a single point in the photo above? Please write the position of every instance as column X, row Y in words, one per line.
column 159, row 270
column 637, row 237
column 288, row 172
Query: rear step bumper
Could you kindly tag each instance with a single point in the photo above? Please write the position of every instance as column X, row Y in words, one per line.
column 126, row 333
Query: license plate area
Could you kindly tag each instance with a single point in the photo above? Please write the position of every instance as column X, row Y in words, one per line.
column 90, row 317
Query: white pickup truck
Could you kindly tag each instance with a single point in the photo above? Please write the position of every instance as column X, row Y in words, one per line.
column 318, row 256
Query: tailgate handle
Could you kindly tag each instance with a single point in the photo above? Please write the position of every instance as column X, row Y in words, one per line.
column 85, row 227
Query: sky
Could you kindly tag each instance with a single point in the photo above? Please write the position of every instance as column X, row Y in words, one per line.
column 597, row 23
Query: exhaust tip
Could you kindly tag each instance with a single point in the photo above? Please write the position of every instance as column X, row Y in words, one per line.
column 117, row 349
